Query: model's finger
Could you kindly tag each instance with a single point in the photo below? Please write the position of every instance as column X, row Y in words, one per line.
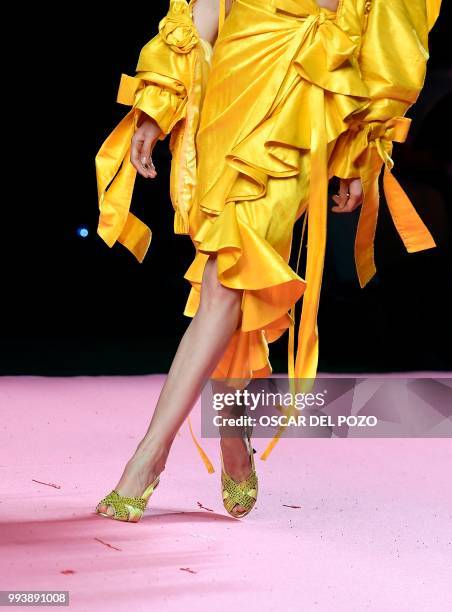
column 352, row 203
column 341, row 201
column 338, row 209
column 343, row 187
column 135, row 157
column 341, row 198
column 146, row 159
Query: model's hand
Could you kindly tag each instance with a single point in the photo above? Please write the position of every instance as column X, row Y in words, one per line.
column 143, row 142
column 350, row 195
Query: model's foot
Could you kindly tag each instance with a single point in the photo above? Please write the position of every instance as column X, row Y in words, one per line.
column 237, row 463
column 141, row 469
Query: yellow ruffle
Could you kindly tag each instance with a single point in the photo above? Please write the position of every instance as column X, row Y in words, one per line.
column 268, row 293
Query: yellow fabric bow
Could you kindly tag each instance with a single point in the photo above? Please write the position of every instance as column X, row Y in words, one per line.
column 376, row 143
column 116, row 222
column 114, row 171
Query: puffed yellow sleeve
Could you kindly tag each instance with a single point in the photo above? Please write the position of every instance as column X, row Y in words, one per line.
column 170, row 78
column 393, row 59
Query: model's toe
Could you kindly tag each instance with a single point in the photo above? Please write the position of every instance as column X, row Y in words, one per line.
column 107, row 510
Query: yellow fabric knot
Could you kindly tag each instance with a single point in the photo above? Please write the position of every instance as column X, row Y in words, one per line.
column 177, row 28
column 384, row 133
column 395, row 129
column 331, row 43
column 376, row 130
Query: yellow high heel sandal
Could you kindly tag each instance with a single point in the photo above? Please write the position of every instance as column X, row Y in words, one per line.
column 129, row 509
column 239, row 493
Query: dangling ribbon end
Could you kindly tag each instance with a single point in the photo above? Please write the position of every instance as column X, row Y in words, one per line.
column 181, row 222
column 270, row 447
column 365, row 276
column 412, row 230
column 201, row 451
column 104, row 231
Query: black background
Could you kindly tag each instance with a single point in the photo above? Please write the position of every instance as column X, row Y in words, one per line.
column 73, row 306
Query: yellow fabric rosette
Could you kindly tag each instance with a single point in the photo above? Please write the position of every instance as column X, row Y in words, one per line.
column 177, row 28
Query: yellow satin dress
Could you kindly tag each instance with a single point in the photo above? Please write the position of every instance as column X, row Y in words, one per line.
column 290, row 95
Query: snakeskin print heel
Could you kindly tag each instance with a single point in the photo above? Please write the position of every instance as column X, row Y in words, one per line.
column 129, row 509
column 239, row 493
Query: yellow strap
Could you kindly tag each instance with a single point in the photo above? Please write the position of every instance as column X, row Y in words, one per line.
column 305, row 366
column 291, row 360
column 411, row 228
column 221, row 15
column 433, row 8
column 367, row 222
column 307, row 349
column 201, row 451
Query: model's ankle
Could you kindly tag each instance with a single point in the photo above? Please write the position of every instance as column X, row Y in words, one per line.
column 152, row 453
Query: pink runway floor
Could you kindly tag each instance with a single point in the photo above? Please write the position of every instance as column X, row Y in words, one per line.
column 371, row 530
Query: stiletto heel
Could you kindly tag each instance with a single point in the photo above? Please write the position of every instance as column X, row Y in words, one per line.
column 129, row 509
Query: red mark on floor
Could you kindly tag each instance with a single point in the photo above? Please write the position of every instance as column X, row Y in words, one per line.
column 107, row 544
column 48, row 484
column 204, row 507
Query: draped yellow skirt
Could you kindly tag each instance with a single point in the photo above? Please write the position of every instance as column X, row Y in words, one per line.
column 254, row 174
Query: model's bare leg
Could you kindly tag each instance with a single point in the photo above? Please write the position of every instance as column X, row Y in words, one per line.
column 199, row 351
